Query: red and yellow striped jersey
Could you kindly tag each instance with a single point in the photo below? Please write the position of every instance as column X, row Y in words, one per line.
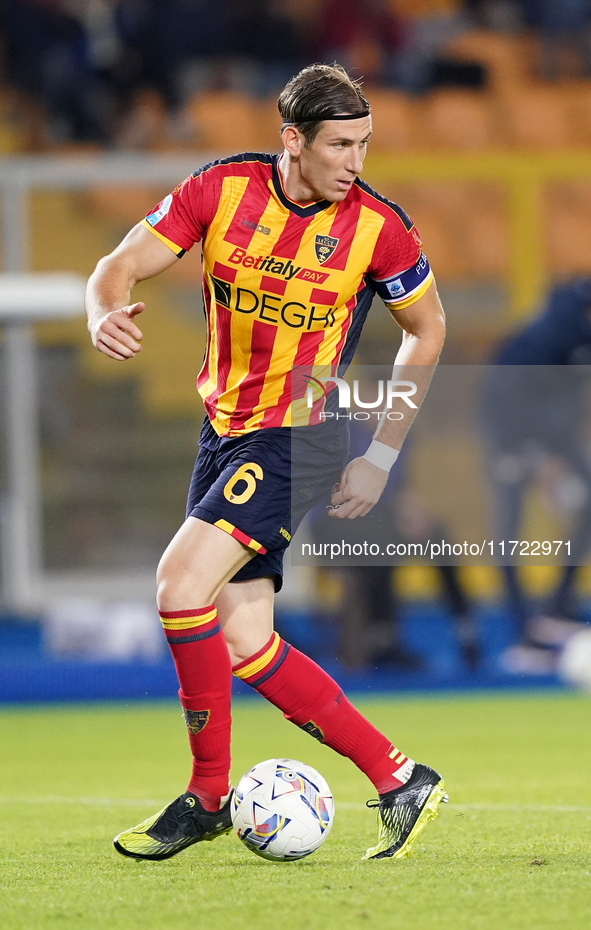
column 285, row 284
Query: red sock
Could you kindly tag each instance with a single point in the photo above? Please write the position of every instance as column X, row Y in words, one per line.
column 205, row 675
column 314, row 702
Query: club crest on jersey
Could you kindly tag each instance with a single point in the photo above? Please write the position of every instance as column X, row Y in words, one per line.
column 195, row 720
column 324, row 247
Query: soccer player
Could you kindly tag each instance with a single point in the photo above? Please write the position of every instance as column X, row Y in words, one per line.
column 294, row 248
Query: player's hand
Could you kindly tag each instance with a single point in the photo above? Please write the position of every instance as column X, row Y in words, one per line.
column 360, row 487
column 116, row 335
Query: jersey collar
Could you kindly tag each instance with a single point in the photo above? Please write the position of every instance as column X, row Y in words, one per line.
column 300, row 209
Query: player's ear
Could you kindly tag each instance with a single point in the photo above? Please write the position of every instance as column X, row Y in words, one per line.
column 293, row 141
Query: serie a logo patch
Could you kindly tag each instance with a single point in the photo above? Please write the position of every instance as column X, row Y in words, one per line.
column 195, row 720
column 324, row 247
column 161, row 212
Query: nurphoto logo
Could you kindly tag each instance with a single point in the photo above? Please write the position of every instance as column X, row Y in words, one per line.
column 386, row 391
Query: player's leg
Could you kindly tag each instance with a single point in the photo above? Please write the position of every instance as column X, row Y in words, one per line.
column 245, row 613
column 409, row 793
column 303, row 691
column 197, row 563
column 194, row 568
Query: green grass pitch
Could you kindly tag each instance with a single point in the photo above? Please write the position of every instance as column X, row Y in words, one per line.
column 512, row 849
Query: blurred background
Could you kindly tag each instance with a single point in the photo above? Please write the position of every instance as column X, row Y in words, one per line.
column 482, row 132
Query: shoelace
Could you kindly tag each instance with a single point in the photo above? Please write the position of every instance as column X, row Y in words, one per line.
column 379, row 803
column 188, row 812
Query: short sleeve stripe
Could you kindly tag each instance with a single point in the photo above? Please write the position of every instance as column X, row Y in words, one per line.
column 177, row 249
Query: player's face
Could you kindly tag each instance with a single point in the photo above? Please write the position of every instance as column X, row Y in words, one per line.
column 330, row 165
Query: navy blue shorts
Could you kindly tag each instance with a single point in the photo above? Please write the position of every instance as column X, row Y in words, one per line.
column 258, row 487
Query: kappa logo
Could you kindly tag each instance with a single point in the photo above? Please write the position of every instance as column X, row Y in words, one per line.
column 196, row 720
column 256, row 227
column 324, row 247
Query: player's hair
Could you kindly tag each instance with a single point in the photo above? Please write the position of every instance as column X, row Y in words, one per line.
column 317, row 93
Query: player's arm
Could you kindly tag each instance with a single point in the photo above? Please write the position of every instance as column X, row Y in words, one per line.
column 364, row 479
column 423, row 325
column 111, row 324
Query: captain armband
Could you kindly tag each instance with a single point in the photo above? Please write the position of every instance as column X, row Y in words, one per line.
column 402, row 289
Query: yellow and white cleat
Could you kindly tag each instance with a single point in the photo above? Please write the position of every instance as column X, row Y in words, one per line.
column 404, row 812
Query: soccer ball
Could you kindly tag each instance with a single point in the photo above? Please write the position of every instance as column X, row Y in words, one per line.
column 574, row 665
column 282, row 810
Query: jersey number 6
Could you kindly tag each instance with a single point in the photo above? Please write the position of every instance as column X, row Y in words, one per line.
column 249, row 472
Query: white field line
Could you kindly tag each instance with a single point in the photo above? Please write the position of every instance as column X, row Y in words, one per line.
column 90, row 802
column 554, row 808
column 150, row 802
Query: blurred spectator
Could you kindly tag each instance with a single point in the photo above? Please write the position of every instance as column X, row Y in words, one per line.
column 168, row 49
column 503, row 15
column 92, row 65
column 564, row 27
column 533, row 422
column 368, row 615
column 268, row 44
column 175, row 48
column 48, row 58
column 360, row 34
column 423, row 63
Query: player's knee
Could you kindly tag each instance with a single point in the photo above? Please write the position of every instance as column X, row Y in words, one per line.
column 244, row 644
column 177, row 591
column 164, row 594
column 238, row 648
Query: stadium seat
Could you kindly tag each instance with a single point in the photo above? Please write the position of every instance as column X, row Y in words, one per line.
column 577, row 99
column 146, row 125
column 460, row 119
column 463, row 224
column 267, row 126
column 11, row 141
column 120, row 206
column 488, row 238
column 509, row 59
column 397, row 126
column 568, row 224
column 223, row 121
column 537, row 117
column 119, row 209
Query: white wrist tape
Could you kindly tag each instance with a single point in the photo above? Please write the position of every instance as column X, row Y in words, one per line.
column 381, row 455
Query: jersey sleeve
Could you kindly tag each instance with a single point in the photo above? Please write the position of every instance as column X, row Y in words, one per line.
column 399, row 270
column 182, row 218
